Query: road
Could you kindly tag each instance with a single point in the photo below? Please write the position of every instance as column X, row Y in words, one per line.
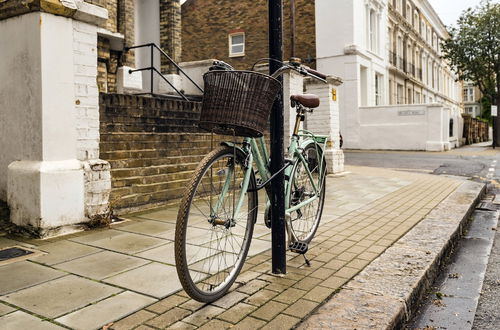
column 469, row 161
column 471, row 278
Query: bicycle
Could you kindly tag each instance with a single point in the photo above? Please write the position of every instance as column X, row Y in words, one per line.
column 218, row 212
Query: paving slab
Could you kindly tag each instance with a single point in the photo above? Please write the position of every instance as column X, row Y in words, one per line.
column 154, row 279
column 151, row 228
column 23, row 274
column 6, row 242
column 21, row 320
column 60, row 296
column 120, row 241
column 63, row 251
column 4, row 309
column 105, row 311
column 101, row 265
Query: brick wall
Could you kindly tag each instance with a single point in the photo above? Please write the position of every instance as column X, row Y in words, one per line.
column 125, row 22
column 207, row 23
column 96, row 171
column 121, row 20
column 153, row 145
column 170, row 32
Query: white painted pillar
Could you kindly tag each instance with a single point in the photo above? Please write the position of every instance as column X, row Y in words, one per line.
column 325, row 120
column 435, row 128
column 293, row 83
column 49, row 127
column 45, row 185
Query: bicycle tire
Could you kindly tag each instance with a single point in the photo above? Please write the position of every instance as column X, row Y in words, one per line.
column 208, row 282
column 304, row 226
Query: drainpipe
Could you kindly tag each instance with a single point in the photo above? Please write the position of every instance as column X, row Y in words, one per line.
column 292, row 28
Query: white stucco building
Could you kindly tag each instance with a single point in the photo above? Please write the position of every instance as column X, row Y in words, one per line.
column 398, row 93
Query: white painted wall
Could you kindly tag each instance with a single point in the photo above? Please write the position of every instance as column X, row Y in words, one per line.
column 147, row 30
column 405, row 127
column 20, row 134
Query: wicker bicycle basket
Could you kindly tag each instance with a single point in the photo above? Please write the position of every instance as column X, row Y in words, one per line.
column 237, row 102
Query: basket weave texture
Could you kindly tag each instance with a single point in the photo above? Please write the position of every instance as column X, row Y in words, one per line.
column 239, row 101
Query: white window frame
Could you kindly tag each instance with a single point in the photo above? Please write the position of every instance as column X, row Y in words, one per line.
column 230, row 42
column 469, row 94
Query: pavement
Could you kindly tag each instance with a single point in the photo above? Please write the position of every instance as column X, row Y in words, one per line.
column 383, row 236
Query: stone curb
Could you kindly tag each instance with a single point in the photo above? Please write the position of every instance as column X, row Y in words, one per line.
column 385, row 294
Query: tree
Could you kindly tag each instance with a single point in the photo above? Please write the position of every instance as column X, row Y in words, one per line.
column 473, row 50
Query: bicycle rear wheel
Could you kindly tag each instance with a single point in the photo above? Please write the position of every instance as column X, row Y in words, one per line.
column 305, row 221
column 211, row 241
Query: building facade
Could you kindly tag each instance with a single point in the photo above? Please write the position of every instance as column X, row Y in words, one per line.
column 396, row 83
column 237, row 31
column 472, row 100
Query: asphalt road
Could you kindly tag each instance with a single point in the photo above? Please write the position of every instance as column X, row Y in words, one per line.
column 473, row 268
column 470, row 161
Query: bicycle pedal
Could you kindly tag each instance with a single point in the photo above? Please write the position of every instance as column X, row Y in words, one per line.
column 299, row 247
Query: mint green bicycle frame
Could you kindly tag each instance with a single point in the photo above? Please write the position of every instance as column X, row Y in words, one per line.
column 252, row 148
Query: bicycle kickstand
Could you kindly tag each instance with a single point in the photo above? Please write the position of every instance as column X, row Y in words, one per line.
column 308, row 263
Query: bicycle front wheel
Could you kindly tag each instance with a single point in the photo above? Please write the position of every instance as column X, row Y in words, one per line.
column 212, row 238
column 305, row 221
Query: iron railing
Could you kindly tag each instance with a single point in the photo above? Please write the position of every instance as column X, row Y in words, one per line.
column 152, row 69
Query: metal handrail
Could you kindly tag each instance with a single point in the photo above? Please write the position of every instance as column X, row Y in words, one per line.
column 153, row 69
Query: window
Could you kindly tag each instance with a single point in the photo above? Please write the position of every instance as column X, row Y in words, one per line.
column 408, row 12
column 400, row 94
column 469, row 109
column 373, row 30
column 391, row 92
column 468, row 94
column 409, row 94
column 417, row 97
column 237, row 44
column 399, row 48
column 399, row 5
column 378, row 88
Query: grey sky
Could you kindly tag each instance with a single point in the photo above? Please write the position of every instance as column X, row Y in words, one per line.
column 450, row 10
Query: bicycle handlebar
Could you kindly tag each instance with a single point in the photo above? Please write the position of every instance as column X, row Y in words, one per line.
column 296, row 66
column 316, row 73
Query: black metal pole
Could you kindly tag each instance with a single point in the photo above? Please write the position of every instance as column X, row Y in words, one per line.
column 277, row 150
column 152, row 66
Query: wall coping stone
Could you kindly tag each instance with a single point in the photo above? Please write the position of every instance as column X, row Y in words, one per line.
column 76, row 9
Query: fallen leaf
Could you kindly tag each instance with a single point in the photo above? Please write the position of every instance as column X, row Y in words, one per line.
column 107, row 326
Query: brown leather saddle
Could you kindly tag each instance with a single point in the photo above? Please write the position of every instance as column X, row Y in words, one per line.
column 307, row 100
